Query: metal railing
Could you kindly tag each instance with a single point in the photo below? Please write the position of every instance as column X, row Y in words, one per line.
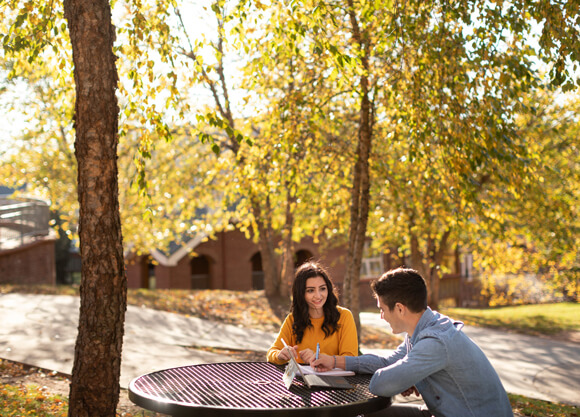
column 22, row 220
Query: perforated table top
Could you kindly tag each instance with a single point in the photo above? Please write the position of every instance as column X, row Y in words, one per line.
column 247, row 388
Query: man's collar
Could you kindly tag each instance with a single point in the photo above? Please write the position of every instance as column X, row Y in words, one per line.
column 426, row 317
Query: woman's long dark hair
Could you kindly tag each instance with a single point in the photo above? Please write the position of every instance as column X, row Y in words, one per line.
column 299, row 308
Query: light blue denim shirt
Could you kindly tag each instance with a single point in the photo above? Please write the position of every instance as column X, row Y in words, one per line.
column 453, row 375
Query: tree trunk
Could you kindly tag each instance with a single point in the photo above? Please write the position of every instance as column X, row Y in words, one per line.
column 357, row 233
column 360, row 191
column 434, row 284
column 267, row 249
column 428, row 264
column 287, row 273
column 95, row 387
column 438, row 254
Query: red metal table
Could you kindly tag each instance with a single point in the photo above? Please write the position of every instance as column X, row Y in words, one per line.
column 244, row 389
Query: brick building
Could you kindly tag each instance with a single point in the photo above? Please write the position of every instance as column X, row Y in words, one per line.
column 27, row 247
column 228, row 261
column 231, row 261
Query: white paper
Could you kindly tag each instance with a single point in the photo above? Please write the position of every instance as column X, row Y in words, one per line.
column 307, row 369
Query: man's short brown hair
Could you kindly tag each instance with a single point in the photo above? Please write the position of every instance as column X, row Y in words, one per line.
column 402, row 285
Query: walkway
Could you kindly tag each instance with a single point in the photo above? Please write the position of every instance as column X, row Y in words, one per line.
column 41, row 330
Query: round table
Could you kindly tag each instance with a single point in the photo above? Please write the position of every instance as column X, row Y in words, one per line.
column 247, row 388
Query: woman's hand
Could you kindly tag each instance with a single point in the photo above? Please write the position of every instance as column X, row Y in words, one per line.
column 307, row 355
column 284, row 355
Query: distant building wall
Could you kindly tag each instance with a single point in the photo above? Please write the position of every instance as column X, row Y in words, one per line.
column 137, row 273
column 32, row 263
column 173, row 276
column 229, row 262
column 229, row 256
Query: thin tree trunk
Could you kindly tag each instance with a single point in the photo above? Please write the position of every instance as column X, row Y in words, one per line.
column 287, row 273
column 267, row 249
column 223, row 107
column 287, row 269
column 428, row 263
column 95, row 387
column 360, row 191
column 436, row 268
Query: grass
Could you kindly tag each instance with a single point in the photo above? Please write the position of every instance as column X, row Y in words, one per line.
column 533, row 319
column 31, row 400
column 253, row 310
column 537, row 408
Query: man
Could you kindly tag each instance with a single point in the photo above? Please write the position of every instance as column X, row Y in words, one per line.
column 436, row 359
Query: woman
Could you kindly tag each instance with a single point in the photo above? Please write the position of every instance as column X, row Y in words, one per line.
column 315, row 317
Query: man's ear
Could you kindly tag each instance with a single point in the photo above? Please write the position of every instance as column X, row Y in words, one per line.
column 400, row 308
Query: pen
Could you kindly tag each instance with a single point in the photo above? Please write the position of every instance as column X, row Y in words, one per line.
column 317, row 350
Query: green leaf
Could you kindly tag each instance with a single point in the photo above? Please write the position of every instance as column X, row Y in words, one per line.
column 20, row 19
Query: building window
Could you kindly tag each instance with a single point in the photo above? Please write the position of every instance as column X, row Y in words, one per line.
column 301, row 257
column 467, row 266
column 257, row 272
column 372, row 263
column 200, row 273
column 148, row 279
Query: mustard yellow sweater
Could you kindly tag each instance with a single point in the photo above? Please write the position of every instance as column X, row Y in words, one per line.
column 343, row 342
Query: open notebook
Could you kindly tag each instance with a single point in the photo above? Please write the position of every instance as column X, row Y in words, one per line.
column 314, row 380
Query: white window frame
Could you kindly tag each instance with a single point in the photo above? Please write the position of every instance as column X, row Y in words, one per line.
column 366, row 268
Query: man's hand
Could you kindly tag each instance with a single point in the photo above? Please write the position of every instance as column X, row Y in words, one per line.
column 410, row 391
column 323, row 364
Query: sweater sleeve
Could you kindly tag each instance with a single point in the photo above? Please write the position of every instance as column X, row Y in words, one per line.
column 285, row 333
column 348, row 338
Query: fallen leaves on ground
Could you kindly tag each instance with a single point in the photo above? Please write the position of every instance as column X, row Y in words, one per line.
column 30, row 391
column 26, row 391
column 243, row 308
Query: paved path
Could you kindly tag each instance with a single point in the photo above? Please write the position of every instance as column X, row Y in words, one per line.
column 40, row 330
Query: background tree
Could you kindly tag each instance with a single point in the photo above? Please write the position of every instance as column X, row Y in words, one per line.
column 443, row 86
column 42, row 158
column 218, row 125
column 265, row 185
column 558, row 39
column 450, row 129
column 538, row 217
column 297, row 143
column 465, row 98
